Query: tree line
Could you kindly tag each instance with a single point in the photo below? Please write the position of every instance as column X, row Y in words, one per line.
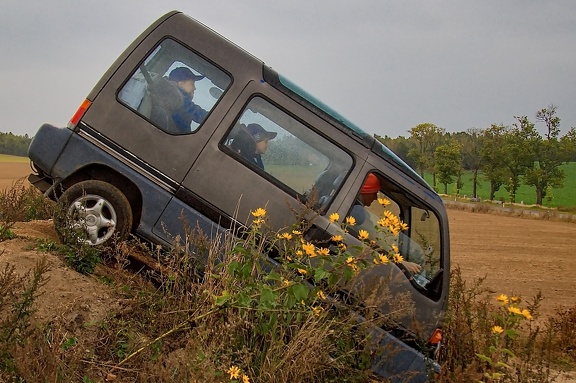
column 13, row 144
column 505, row 156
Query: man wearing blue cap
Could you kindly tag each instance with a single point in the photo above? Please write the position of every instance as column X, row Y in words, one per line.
column 189, row 111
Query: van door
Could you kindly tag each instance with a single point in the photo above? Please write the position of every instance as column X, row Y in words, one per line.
column 235, row 174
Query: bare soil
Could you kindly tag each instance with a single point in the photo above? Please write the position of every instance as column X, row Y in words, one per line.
column 11, row 171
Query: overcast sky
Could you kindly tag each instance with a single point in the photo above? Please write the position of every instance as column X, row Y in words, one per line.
column 385, row 65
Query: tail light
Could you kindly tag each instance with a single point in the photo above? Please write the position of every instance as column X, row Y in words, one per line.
column 80, row 112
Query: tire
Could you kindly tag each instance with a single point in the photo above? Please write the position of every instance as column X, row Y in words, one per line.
column 93, row 212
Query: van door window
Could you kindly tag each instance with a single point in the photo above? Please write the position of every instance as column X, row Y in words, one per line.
column 174, row 88
column 389, row 218
column 269, row 140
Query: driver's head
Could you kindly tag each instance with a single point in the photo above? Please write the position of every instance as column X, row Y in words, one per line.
column 370, row 189
column 185, row 78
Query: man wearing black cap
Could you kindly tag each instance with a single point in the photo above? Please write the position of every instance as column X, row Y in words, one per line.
column 189, row 111
column 251, row 142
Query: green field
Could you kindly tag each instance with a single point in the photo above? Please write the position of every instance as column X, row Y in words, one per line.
column 563, row 197
column 8, row 158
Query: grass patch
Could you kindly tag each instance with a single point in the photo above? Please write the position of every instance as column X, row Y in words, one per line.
column 10, row 158
column 564, row 197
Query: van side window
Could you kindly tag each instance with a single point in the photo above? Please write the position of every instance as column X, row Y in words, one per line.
column 270, row 140
column 418, row 242
column 174, row 88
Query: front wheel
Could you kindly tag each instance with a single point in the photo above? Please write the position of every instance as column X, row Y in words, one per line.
column 92, row 212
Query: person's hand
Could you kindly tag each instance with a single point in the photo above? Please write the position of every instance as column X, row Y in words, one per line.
column 412, row 267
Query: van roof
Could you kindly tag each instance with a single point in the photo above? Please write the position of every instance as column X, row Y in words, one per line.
column 342, row 123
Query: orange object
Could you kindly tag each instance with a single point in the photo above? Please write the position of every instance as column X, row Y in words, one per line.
column 436, row 336
column 371, row 185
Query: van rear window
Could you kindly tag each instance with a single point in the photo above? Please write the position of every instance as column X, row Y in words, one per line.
column 174, row 88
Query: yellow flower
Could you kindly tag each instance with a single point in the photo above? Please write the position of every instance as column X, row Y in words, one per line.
column 320, row 294
column 350, row 260
column 258, row 221
column 503, row 299
column 286, row 282
column 317, row 310
column 514, row 310
column 383, row 201
column 350, row 221
column 337, row 238
column 334, row 217
column 383, row 259
column 323, row 251
column 302, row 271
column 395, row 248
column 299, row 253
column 527, row 314
column 497, row 330
column 362, row 235
column 403, row 226
column 296, row 232
column 234, row 372
column 259, row 212
column 343, row 246
column 515, row 299
column 245, row 379
column 398, row 258
column 286, row 236
column 309, row 249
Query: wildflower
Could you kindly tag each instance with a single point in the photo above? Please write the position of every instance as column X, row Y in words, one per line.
column 302, row 271
column 362, row 235
column 334, row 217
column 503, row 299
column 398, row 258
column 526, row 314
column 395, row 248
column 497, row 330
column 343, row 246
column 350, row 260
column 514, row 310
column 309, row 249
column 296, row 232
column 286, row 236
column 350, row 221
column 299, row 253
column 286, row 282
column 258, row 213
column 403, row 226
column 320, row 294
column 382, row 258
column 317, row 310
column 515, row 299
column 384, row 201
column 323, row 251
column 234, row 372
column 337, row 238
column 245, row 379
column 258, row 221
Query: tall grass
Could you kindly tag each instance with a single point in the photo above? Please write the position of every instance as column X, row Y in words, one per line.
column 233, row 318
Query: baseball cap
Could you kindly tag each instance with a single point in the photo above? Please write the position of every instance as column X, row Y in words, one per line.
column 183, row 74
column 258, row 133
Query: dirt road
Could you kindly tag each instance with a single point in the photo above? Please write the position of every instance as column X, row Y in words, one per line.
column 517, row 256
